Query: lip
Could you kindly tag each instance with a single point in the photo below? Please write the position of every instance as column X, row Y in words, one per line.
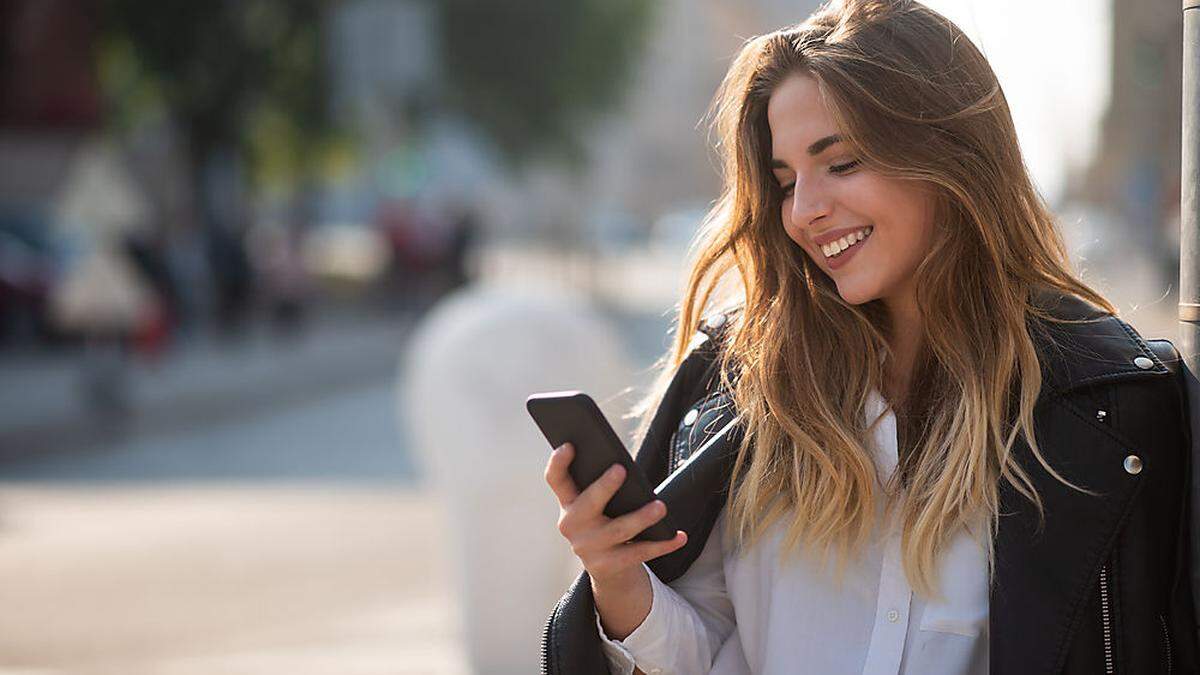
column 834, row 235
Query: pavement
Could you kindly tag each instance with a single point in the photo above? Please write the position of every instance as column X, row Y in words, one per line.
column 206, row 579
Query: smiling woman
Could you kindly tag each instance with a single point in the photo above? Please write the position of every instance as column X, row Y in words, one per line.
column 928, row 474
column 829, row 209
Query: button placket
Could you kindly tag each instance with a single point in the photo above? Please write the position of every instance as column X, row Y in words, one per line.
column 891, row 617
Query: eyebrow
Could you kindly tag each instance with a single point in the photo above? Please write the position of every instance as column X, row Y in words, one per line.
column 815, row 149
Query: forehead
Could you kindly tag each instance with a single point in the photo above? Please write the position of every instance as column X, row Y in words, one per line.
column 797, row 115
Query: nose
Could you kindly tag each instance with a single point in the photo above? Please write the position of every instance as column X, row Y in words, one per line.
column 808, row 206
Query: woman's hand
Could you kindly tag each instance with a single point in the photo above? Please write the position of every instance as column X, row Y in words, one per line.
column 619, row 583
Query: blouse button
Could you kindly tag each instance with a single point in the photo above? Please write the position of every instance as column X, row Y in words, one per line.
column 1143, row 363
column 1133, row 464
column 690, row 417
column 893, row 615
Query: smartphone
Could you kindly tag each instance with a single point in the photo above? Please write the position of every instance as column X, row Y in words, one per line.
column 573, row 417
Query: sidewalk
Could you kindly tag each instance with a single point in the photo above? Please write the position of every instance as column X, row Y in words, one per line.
column 203, row 580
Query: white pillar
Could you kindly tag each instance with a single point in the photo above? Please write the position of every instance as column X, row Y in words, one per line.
column 468, row 370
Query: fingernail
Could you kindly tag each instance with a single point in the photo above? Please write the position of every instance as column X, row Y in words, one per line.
column 616, row 470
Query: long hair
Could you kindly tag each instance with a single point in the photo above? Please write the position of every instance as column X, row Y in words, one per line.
column 916, row 100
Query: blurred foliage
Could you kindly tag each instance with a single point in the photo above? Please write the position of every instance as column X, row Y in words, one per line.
column 531, row 72
column 246, row 75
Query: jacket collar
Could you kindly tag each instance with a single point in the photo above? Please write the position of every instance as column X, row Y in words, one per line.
column 1080, row 345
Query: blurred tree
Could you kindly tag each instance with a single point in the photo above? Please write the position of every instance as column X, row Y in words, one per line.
column 529, row 72
column 234, row 75
column 245, row 83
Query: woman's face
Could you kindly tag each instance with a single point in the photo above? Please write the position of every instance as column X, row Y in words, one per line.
column 866, row 231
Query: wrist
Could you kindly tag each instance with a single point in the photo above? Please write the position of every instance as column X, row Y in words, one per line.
column 625, row 582
column 623, row 602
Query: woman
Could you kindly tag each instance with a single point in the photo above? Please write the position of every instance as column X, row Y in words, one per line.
column 948, row 454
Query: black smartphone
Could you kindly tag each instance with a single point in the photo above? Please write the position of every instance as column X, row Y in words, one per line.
column 573, row 417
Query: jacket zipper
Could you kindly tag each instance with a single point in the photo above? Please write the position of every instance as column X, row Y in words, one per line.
column 1106, row 619
column 1167, row 640
column 547, row 636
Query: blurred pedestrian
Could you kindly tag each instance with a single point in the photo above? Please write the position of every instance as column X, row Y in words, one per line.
column 101, row 296
column 103, row 300
column 464, row 231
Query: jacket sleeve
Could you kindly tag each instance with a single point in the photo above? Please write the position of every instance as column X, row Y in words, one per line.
column 570, row 641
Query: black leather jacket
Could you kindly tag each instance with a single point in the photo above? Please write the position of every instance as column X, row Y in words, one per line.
column 1102, row 586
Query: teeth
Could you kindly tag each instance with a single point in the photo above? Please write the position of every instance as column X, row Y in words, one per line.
column 836, row 247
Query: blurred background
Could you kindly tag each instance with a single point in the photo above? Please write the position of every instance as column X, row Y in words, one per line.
column 223, row 223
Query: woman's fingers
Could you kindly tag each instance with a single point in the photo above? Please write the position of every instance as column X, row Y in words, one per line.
column 645, row 551
column 594, row 498
column 556, row 475
column 599, row 542
column 623, row 528
column 584, row 519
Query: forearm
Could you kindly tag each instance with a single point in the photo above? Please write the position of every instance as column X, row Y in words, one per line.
column 623, row 603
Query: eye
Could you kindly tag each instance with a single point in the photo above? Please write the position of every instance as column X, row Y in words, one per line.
column 787, row 189
column 843, row 168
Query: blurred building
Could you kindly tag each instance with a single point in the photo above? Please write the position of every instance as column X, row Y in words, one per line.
column 49, row 95
column 1135, row 173
column 654, row 155
column 650, row 157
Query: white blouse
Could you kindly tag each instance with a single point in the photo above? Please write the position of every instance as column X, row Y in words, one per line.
column 734, row 614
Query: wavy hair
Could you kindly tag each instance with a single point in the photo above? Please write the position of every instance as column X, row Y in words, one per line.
column 916, row 100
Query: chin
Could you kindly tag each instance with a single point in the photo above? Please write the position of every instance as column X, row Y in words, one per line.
column 855, row 294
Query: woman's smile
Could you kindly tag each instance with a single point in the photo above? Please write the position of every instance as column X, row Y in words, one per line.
column 839, row 251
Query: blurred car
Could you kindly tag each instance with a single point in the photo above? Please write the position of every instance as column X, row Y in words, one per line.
column 31, row 263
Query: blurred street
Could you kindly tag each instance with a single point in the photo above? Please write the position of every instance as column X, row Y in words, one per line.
column 212, row 260
column 258, row 511
column 262, row 407
column 255, row 515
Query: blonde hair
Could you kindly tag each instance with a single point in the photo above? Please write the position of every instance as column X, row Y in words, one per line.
column 918, row 101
